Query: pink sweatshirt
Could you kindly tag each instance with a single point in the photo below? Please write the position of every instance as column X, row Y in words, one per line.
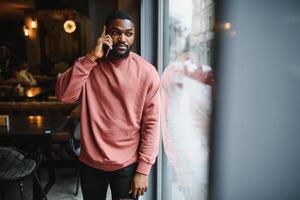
column 119, row 111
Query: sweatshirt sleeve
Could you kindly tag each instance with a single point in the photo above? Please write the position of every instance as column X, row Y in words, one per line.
column 150, row 126
column 69, row 84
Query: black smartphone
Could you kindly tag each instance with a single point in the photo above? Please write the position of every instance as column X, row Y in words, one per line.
column 105, row 50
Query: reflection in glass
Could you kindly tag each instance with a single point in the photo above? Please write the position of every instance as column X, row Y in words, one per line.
column 186, row 99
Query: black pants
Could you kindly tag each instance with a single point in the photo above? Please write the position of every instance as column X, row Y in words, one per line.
column 94, row 182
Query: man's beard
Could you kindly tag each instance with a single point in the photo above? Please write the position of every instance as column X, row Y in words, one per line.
column 115, row 54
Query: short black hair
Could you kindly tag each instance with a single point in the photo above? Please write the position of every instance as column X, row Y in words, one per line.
column 117, row 15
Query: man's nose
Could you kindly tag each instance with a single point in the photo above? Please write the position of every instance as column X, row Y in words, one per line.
column 122, row 37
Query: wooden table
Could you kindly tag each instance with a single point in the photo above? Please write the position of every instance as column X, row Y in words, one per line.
column 28, row 93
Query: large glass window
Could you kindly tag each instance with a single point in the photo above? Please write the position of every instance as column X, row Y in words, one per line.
column 186, row 98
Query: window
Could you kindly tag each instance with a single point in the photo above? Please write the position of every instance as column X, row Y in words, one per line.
column 186, row 98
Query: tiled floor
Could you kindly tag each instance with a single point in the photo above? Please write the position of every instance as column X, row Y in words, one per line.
column 63, row 189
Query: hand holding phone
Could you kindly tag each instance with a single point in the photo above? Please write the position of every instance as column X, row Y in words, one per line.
column 103, row 46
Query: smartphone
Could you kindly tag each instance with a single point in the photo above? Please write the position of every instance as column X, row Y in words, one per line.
column 105, row 50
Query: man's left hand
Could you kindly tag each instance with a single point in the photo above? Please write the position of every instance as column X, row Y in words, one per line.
column 139, row 185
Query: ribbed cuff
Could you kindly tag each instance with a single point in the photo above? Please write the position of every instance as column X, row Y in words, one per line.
column 86, row 64
column 143, row 168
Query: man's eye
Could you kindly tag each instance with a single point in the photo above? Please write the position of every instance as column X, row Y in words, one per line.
column 114, row 33
column 128, row 34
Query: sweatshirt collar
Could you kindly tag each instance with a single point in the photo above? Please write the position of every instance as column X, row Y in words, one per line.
column 118, row 62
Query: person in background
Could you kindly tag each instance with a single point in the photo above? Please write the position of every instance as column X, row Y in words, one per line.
column 119, row 93
column 24, row 76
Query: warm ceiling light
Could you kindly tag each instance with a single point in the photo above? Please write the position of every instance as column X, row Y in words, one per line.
column 33, row 23
column 26, row 31
column 69, row 26
column 227, row 25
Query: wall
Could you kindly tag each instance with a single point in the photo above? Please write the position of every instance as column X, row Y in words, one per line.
column 32, row 44
column 256, row 126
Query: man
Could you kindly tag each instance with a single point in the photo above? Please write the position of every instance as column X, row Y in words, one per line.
column 119, row 94
column 23, row 75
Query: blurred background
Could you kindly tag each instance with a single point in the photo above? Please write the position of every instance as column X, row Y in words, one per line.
column 49, row 35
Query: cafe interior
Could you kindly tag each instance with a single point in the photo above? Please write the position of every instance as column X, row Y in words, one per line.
column 39, row 40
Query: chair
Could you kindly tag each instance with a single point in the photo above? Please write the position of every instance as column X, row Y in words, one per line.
column 75, row 147
column 14, row 166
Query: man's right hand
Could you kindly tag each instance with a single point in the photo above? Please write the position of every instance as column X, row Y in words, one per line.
column 98, row 51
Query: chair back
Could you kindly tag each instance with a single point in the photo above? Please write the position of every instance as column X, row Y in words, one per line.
column 14, row 165
column 75, row 139
column 8, row 156
column 76, row 132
